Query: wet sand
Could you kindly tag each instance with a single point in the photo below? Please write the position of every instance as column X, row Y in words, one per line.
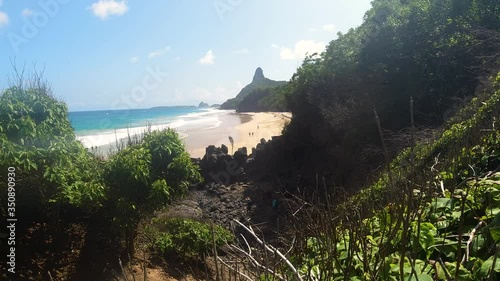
column 237, row 125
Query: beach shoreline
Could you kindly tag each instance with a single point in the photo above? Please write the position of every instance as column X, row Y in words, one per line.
column 262, row 124
column 246, row 129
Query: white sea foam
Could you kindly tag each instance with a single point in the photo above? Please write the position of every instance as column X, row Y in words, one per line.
column 204, row 120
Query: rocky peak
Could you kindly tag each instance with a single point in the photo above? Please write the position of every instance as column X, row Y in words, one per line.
column 259, row 75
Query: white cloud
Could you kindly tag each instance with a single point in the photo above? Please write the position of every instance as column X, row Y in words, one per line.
column 275, row 46
column 105, row 8
column 158, row 53
column 134, row 59
column 329, row 27
column 26, row 13
column 4, row 19
column 302, row 48
column 243, row 51
column 177, row 58
column 209, row 58
column 312, row 29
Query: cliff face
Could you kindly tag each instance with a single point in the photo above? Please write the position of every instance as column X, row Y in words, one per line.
column 259, row 81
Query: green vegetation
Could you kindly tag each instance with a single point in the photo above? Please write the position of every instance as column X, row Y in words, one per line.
column 264, row 99
column 259, row 85
column 145, row 177
column 189, row 239
column 56, row 175
column 411, row 192
column 37, row 139
column 438, row 52
column 398, row 117
column 437, row 220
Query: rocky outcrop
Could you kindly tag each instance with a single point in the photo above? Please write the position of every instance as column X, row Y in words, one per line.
column 264, row 162
column 259, row 75
column 259, row 81
column 220, row 167
column 203, row 105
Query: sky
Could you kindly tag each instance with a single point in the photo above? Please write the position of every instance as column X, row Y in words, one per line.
column 109, row 54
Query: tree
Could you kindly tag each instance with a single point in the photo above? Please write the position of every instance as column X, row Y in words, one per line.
column 37, row 139
column 437, row 52
column 145, row 177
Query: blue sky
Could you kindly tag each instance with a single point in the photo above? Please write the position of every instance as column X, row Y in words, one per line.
column 109, row 54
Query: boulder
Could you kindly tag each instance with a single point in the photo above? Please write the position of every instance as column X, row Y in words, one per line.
column 218, row 166
column 210, row 149
column 224, row 149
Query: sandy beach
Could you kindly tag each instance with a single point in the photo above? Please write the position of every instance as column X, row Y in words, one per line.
column 201, row 130
column 246, row 129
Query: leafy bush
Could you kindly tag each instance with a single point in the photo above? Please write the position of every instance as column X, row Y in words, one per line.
column 187, row 239
column 434, row 218
column 147, row 176
column 433, row 51
column 37, row 139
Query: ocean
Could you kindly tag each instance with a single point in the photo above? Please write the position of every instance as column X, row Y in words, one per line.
column 104, row 127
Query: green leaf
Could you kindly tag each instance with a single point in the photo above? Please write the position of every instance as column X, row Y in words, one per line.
column 487, row 267
column 441, row 203
column 420, row 277
column 495, row 233
column 426, row 238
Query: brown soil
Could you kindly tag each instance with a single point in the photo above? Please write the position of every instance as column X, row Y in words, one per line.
column 73, row 247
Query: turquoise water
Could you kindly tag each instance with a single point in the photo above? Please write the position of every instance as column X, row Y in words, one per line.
column 92, row 122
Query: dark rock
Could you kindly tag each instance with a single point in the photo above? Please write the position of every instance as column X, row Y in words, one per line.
column 259, row 75
column 210, row 149
column 218, row 166
column 203, row 105
column 243, row 151
column 224, row 149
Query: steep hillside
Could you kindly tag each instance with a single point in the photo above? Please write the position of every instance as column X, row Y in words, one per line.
column 440, row 53
column 433, row 215
column 265, row 99
column 259, row 82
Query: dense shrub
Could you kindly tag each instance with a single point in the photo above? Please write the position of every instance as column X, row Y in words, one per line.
column 145, row 177
column 187, row 239
column 38, row 141
column 438, row 52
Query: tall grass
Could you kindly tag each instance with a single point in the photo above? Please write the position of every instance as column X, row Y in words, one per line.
column 433, row 214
